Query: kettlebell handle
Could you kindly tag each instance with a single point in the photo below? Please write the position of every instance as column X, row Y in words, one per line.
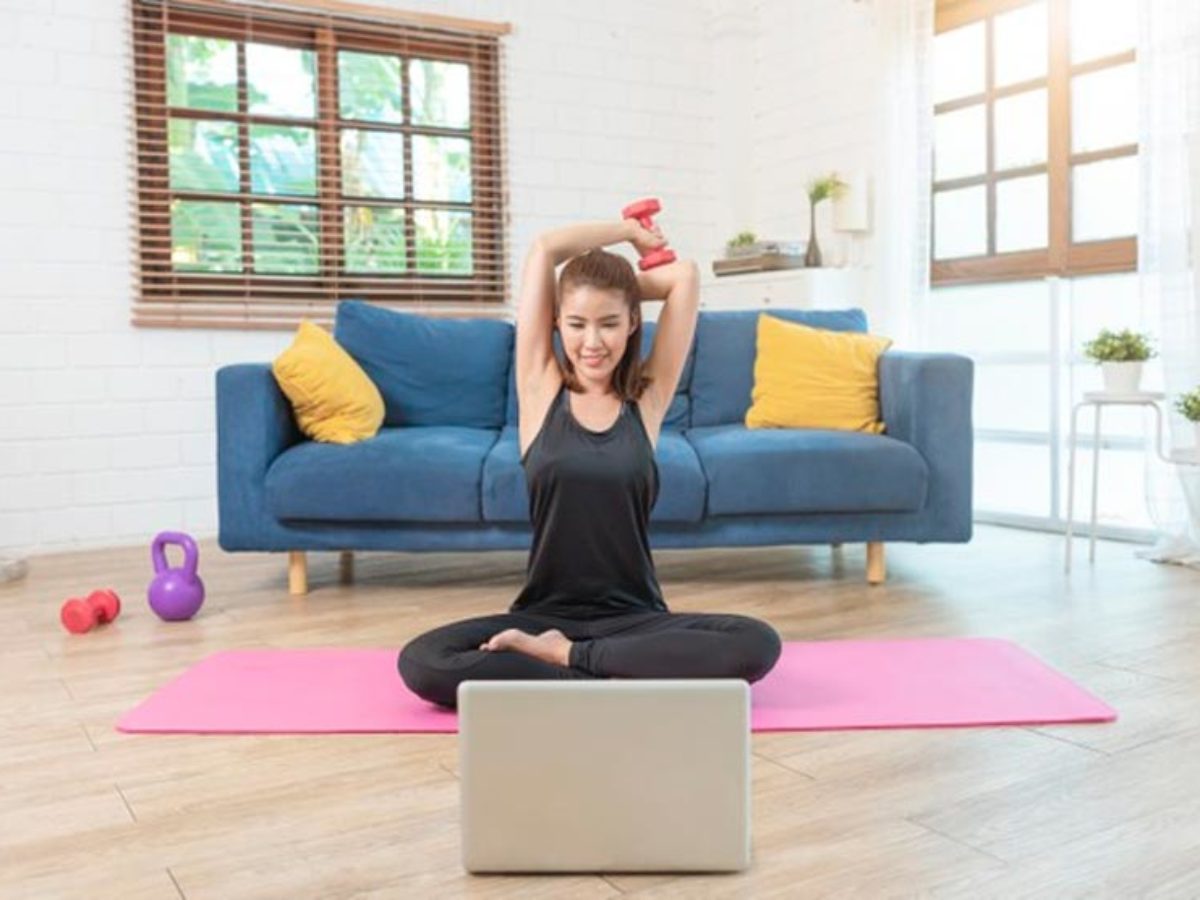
column 191, row 553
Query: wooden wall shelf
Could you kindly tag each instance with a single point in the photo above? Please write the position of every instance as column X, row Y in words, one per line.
column 763, row 262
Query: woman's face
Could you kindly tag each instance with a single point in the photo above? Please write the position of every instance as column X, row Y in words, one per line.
column 595, row 325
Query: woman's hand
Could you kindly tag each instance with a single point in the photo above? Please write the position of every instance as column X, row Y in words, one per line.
column 645, row 240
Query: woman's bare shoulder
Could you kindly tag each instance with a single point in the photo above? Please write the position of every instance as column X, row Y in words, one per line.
column 541, row 385
column 653, row 410
column 534, row 401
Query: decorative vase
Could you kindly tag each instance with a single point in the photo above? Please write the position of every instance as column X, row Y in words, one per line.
column 812, row 256
column 1121, row 377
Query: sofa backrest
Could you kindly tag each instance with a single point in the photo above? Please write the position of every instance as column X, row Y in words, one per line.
column 430, row 371
column 437, row 371
column 725, row 347
column 678, row 415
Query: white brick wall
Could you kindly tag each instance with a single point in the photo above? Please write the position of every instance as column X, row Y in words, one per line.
column 107, row 431
column 815, row 99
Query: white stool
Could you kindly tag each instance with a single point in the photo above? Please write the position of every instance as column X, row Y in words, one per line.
column 1101, row 399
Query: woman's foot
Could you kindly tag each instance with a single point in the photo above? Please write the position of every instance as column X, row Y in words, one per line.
column 550, row 646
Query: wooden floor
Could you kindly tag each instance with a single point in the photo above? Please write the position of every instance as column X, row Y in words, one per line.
column 1110, row 810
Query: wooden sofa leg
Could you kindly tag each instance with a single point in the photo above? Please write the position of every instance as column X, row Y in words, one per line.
column 346, row 567
column 876, row 565
column 297, row 572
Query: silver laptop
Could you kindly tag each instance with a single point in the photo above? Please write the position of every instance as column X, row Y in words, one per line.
column 612, row 775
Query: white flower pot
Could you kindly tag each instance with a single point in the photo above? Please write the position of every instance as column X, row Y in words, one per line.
column 1121, row 377
column 1196, row 425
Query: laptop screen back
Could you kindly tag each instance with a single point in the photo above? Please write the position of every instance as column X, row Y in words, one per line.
column 630, row 775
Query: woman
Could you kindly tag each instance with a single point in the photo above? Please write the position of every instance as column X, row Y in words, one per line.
column 592, row 606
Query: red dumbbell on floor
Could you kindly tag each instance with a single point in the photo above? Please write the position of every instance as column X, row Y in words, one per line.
column 643, row 211
column 99, row 608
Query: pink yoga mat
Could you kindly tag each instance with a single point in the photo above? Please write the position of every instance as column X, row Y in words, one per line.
column 816, row 685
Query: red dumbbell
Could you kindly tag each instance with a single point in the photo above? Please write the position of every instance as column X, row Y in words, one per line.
column 100, row 608
column 643, row 211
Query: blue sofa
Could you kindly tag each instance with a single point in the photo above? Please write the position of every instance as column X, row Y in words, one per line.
column 443, row 473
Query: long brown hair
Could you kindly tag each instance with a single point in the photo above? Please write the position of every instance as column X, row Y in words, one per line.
column 607, row 271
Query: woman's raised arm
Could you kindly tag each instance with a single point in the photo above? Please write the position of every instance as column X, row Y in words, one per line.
column 535, row 316
column 535, row 303
column 572, row 240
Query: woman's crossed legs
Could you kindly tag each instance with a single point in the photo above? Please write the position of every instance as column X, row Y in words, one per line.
column 635, row 645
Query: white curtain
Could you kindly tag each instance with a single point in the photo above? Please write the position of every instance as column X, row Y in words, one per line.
column 904, row 166
column 1168, row 248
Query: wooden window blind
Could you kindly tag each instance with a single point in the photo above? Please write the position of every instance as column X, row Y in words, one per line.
column 293, row 154
column 1035, row 150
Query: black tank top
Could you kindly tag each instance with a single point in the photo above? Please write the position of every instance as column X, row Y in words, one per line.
column 590, row 496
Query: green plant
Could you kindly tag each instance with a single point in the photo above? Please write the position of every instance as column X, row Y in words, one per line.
column 741, row 239
column 1119, row 346
column 821, row 188
column 1188, row 405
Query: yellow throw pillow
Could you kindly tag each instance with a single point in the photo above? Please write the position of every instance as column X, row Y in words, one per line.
column 334, row 399
column 813, row 378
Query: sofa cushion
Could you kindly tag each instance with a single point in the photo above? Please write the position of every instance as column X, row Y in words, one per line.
column 331, row 395
column 794, row 470
column 725, row 350
column 681, row 481
column 679, row 413
column 430, row 371
column 815, row 378
column 401, row 474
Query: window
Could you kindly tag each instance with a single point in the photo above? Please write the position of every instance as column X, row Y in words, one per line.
column 293, row 155
column 1035, row 139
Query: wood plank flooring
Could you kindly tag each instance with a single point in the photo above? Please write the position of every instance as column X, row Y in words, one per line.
column 1097, row 810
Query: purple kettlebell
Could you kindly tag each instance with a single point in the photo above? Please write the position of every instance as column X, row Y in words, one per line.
column 175, row 594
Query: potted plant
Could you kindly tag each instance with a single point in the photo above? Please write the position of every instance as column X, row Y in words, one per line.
column 1120, row 355
column 1188, row 406
column 819, row 189
column 744, row 243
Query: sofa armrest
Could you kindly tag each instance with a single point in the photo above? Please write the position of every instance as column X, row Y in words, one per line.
column 254, row 425
column 925, row 400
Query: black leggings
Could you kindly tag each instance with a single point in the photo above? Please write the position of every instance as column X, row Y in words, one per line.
column 634, row 645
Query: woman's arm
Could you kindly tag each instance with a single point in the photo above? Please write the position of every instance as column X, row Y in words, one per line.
column 679, row 284
column 535, row 303
column 571, row 240
column 675, row 278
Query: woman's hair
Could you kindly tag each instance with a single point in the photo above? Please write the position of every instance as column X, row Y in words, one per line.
column 607, row 271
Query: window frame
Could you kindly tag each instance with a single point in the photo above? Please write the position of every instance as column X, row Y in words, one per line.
column 1061, row 256
column 167, row 297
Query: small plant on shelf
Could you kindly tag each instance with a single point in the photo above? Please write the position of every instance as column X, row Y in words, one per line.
column 1120, row 355
column 1188, row 406
column 1119, row 346
column 741, row 244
